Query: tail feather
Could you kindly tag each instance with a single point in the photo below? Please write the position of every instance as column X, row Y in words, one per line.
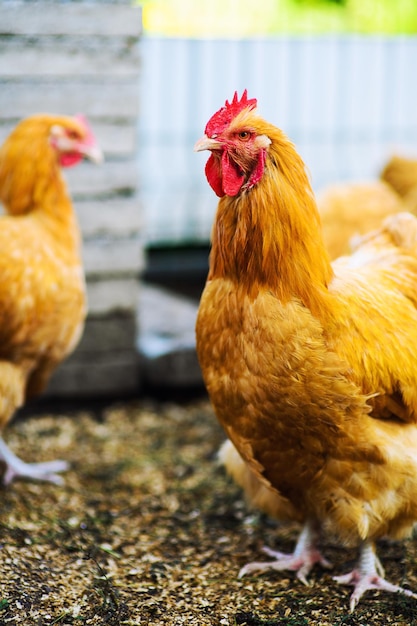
column 259, row 496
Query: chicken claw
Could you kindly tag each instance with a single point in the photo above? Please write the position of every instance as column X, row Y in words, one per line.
column 302, row 560
column 368, row 575
column 16, row 468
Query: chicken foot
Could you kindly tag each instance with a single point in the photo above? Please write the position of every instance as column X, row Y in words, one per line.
column 302, row 560
column 368, row 574
column 16, row 468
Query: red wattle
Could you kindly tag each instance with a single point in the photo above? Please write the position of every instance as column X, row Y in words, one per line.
column 68, row 159
column 214, row 175
column 232, row 179
column 258, row 172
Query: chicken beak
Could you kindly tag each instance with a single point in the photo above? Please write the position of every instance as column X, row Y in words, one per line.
column 91, row 152
column 205, row 143
column 88, row 147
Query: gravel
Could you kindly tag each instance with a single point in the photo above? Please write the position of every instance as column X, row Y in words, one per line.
column 147, row 529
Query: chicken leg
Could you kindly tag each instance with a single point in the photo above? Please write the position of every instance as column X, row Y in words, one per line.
column 369, row 574
column 16, row 468
column 302, row 560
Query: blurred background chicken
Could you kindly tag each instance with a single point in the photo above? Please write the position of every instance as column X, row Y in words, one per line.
column 311, row 367
column 42, row 292
column 349, row 210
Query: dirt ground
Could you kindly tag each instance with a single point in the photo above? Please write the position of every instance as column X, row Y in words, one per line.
column 147, row 529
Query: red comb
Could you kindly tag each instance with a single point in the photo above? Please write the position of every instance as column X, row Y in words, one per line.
column 220, row 120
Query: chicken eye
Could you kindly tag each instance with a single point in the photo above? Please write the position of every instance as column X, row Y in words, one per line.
column 244, row 135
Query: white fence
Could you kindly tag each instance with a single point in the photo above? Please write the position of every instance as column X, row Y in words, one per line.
column 348, row 102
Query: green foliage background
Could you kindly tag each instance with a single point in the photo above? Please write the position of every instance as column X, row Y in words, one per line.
column 245, row 18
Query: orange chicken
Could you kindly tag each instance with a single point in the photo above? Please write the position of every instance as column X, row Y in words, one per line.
column 349, row 210
column 42, row 291
column 311, row 367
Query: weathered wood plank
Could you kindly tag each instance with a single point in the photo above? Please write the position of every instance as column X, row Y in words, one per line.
column 73, row 18
column 166, row 341
column 118, row 218
column 22, row 57
column 102, row 334
column 108, row 295
column 88, row 179
column 117, row 138
column 111, row 257
column 117, row 375
column 105, row 98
